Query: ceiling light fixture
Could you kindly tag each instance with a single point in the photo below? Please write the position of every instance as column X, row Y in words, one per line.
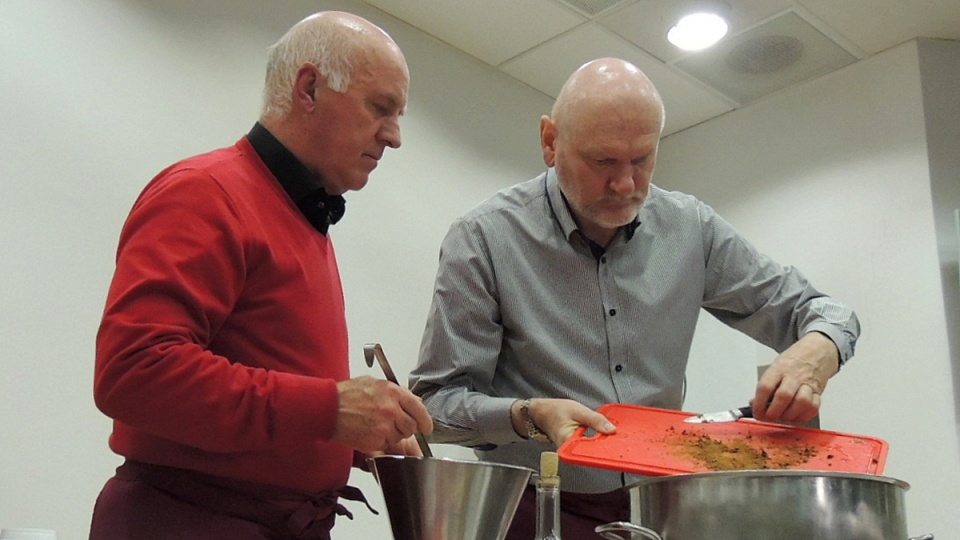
column 699, row 30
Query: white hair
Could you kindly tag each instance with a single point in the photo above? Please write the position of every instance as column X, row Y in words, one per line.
column 326, row 42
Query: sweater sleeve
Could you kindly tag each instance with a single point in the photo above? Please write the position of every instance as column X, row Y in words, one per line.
column 180, row 271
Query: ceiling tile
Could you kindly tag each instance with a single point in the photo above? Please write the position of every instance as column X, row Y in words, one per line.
column 540, row 42
column 548, row 66
column 593, row 8
column 783, row 51
column 877, row 25
column 492, row 30
column 645, row 22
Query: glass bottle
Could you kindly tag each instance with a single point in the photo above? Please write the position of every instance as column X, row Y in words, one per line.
column 548, row 498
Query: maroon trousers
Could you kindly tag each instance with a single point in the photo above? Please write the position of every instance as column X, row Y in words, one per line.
column 580, row 513
column 150, row 502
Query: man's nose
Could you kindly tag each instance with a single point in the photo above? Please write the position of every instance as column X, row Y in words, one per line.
column 622, row 182
column 389, row 133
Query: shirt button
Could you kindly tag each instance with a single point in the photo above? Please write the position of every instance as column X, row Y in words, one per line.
column 618, row 368
column 612, row 312
column 603, row 260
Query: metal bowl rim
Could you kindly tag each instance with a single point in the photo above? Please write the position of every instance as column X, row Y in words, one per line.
column 768, row 473
column 434, row 459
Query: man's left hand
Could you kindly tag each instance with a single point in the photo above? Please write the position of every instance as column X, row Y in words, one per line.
column 790, row 389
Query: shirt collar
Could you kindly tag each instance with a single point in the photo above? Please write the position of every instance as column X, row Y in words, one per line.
column 303, row 187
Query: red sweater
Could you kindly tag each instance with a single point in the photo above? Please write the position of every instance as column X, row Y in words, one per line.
column 224, row 333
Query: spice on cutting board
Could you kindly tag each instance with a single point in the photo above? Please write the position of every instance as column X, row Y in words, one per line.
column 650, row 441
column 741, row 452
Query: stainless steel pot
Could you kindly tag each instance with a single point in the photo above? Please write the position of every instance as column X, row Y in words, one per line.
column 761, row 505
column 447, row 499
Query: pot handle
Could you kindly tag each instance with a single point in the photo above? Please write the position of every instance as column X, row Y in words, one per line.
column 924, row 537
column 608, row 531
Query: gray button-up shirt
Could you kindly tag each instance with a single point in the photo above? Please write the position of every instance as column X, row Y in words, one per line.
column 523, row 309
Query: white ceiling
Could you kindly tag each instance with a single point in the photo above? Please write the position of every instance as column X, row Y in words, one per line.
column 540, row 42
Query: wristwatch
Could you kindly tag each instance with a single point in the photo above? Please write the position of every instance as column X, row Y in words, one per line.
column 534, row 433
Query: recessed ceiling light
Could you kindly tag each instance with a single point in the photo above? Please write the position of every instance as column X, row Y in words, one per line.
column 697, row 31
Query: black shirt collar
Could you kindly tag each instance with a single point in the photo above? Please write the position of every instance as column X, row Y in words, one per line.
column 628, row 231
column 303, row 187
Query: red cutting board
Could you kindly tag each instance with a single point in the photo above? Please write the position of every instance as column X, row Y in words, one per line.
column 657, row 442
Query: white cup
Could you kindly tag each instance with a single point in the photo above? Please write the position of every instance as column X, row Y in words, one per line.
column 28, row 534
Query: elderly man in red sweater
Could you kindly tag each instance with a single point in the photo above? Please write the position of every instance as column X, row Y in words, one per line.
column 222, row 355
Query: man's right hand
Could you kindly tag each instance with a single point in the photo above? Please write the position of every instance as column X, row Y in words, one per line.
column 560, row 418
column 375, row 414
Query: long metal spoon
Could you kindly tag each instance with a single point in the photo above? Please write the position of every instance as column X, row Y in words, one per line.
column 373, row 351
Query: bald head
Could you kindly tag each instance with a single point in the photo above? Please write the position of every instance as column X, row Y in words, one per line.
column 607, row 86
column 335, row 42
column 602, row 139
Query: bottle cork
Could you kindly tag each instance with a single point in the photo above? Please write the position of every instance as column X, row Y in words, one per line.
column 549, row 468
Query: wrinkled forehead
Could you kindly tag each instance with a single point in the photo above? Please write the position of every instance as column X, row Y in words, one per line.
column 379, row 51
column 382, row 73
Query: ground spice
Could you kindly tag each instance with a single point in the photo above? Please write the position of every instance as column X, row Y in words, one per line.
column 742, row 452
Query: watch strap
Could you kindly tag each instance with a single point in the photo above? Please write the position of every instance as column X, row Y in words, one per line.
column 534, row 432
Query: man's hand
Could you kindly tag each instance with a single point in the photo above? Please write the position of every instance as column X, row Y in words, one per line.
column 790, row 389
column 378, row 416
column 559, row 418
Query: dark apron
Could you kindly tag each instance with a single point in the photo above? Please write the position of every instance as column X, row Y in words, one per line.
column 147, row 502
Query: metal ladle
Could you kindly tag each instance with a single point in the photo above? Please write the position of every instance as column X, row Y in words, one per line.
column 373, row 351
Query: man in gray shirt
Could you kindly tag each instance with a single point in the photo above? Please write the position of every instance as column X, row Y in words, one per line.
column 583, row 286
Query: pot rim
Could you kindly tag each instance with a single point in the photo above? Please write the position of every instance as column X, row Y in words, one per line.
column 766, row 473
column 469, row 462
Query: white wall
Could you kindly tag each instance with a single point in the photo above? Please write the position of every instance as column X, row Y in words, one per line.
column 834, row 177
column 940, row 74
column 95, row 98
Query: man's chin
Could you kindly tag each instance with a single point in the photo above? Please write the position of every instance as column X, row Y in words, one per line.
column 356, row 183
column 619, row 219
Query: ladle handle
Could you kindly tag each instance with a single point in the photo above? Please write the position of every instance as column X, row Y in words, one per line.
column 425, row 448
column 609, row 530
column 373, row 351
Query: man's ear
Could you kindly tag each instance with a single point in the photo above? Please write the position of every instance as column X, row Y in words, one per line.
column 548, row 140
column 305, row 87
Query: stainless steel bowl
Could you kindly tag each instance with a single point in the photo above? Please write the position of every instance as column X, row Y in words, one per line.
column 762, row 505
column 447, row 499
